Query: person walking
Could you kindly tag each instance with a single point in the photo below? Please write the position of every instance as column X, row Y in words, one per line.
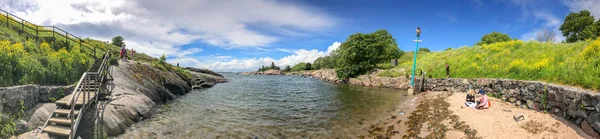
column 447, row 70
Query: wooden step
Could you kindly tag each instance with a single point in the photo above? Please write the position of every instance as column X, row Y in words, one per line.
column 58, row 130
column 60, row 120
column 65, row 100
column 66, row 111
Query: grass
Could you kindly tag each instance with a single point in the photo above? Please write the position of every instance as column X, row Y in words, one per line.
column 576, row 64
column 24, row 60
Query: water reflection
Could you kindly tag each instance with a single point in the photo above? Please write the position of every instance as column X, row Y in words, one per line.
column 273, row 107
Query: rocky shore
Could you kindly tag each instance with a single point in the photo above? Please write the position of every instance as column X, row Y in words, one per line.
column 268, row 72
column 369, row 80
column 137, row 91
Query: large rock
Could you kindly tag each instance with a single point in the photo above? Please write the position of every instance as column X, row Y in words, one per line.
column 585, row 126
column 40, row 116
column 594, row 120
column 16, row 98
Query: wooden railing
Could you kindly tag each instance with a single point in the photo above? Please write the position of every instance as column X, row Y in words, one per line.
column 42, row 31
column 84, row 88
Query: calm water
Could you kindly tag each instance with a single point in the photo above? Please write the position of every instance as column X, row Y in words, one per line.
column 274, row 107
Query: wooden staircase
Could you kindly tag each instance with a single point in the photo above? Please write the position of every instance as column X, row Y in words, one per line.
column 69, row 110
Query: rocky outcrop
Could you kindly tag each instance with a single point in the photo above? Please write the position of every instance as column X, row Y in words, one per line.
column 370, row 80
column 24, row 100
column 580, row 106
column 205, row 80
column 268, row 72
column 29, row 95
column 137, row 91
column 204, row 71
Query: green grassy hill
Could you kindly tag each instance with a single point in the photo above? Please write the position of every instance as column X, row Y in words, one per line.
column 576, row 64
column 48, row 60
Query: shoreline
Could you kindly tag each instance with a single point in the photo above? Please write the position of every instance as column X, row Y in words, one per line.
column 526, row 129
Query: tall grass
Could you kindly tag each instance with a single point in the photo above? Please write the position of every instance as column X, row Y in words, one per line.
column 575, row 64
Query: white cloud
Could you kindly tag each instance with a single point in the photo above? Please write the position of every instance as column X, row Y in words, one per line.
column 158, row 27
column 549, row 22
column 188, row 52
column 333, row 47
column 236, row 65
column 577, row 5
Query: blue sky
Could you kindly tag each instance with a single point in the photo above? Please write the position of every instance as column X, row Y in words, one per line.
column 243, row 35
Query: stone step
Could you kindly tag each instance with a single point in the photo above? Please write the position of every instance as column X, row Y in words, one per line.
column 60, row 120
column 66, row 111
column 58, row 130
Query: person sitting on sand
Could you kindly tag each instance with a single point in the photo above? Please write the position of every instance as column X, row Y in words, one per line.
column 483, row 103
column 470, row 101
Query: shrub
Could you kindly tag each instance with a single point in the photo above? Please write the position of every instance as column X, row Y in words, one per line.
column 493, row 37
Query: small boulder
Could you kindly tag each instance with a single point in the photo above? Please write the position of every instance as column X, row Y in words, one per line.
column 512, row 100
column 21, row 127
column 530, row 104
column 519, row 117
column 585, row 126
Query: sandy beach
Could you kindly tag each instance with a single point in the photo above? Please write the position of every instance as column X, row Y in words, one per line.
column 441, row 115
column 497, row 122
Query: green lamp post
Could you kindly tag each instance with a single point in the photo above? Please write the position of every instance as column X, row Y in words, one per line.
column 412, row 81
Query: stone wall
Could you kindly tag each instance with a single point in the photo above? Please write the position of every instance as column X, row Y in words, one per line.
column 576, row 105
column 30, row 95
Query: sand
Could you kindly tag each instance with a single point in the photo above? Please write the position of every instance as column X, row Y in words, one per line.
column 440, row 115
column 498, row 121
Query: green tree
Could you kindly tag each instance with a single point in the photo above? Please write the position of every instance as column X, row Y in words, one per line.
column 287, row 68
column 493, row 37
column 361, row 52
column 299, row 67
column 118, row 41
column 580, row 26
column 272, row 65
column 424, row 49
column 308, row 66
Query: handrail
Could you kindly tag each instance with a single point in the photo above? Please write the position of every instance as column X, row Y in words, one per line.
column 83, row 86
column 24, row 23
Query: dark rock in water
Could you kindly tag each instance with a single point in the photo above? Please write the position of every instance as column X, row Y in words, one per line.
column 205, row 71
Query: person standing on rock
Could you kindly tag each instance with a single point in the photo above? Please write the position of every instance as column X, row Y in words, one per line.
column 447, row 70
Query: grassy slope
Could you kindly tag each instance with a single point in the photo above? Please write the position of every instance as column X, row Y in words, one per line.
column 33, row 64
column 564, row 63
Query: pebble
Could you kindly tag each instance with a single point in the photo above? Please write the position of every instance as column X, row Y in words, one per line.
column 401, row 113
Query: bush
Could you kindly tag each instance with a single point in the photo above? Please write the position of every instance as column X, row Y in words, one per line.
column 41, row 65
column 493, row 37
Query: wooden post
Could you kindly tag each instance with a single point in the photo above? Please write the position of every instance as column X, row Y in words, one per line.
column 22, row 25
column 53, row 38
column 37, row 34
column 7, row 19
column 80, row 48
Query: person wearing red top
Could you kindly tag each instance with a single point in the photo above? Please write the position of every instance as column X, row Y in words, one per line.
column 483, row 103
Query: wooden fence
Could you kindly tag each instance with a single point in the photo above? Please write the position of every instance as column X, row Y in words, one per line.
column 44, row 33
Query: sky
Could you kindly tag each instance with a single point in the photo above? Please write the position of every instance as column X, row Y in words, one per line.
column 243, row 35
